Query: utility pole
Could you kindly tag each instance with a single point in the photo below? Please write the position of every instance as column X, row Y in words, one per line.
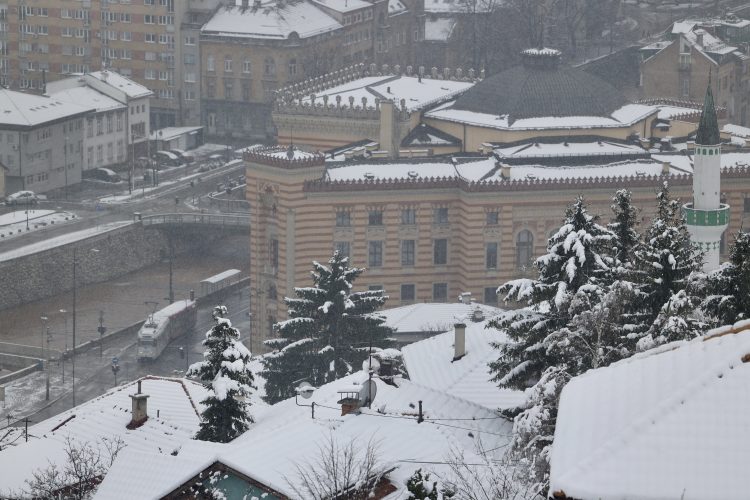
column 171, row 259
column 75, row 264
column 46, row 358
column 47, row 369
column 101, row 331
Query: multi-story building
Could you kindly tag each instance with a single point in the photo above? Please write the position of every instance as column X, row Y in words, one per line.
column 49, row 39
column 42, row 141
column 679, row 66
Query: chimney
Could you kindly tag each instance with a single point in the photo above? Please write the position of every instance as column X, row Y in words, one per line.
column 505, row 171
column 459, row 343
column 465, row 298
column 139, row 412
column 665, row 168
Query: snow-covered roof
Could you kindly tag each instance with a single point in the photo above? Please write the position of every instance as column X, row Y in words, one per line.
column 474, row 170
column 457, row 6
column 284, row 435
column 439, row 29
column 169, row 133
column 685, row 163
column 672, row 112
column 433, row 316
column 343, row 5
column 628, row 168
column 271, row 21
column 562, row 149
column 18, row 109
column 417, row 94
column 178, row 404
column 625, row 116
column 705, row 42
column 396, row 7
column 681, row 27
column 737, row 130
column 670, row 423
column 430, row 363
column 124, row 84
column 87, row 96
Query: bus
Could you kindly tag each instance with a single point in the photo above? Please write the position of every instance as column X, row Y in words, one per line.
column 165, row 325
column 218, row 281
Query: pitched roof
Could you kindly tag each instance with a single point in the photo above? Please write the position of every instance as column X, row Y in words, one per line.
column 18, row 109
column 87, row 96
column 708, row 126
column 433, row 316
column 178, row 404
column 426, row 135
column 430, row 363
column 124, row 84
column 669, row 423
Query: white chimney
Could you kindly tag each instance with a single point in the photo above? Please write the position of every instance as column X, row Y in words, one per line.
column 140, row 410
column 505, row 171
column 459, row 342
column 466, row 298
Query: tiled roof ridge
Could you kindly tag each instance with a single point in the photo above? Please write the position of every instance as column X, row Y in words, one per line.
column 260, row 155
column 180, row 381
column 614, row 444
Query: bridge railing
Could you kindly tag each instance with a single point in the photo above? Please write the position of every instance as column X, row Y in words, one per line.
column 222, row 220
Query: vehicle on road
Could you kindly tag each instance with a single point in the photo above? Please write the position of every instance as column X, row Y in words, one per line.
column 219, row 281
column 164, row 326
column 103, row 174
column 216, row 161
column 167, row 158
column 22, row 198
column 183, row 155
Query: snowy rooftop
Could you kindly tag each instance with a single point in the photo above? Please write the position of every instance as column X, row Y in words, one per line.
column 737, row 130
column 540, row 149
column 131, row 88
column 672, row 112
column 343, row 5
column 629, row 168
column 87, row 96
column 18, row 109
column 178, row 403
column 417, row 95
column 396, row 7
column 669, row 423
column 284, row 435
column 433, row 317
column 685, row 163
column 169, row 133
column 456, row 6
column 439, row 29
column 681, row 27
column 430, row 363
column 271, row 21
column 706, row 42
column 625, row 116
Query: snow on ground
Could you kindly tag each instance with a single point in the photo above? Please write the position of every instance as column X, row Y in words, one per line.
column 61, row 240
column 14, row 223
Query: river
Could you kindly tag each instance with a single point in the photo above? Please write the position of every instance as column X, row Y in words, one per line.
column 122, row 301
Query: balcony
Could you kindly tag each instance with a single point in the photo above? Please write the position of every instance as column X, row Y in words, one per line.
column 706, row 218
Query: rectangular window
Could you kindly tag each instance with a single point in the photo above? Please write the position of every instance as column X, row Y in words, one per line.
column 227, row 64
column 246, row 66
column 440, row 252
column 440, row 292
column 273, row 254
column 747, row 205
column 375, row 253
column 343, row 248
column 490, row 296
column 343, row 218
column 440, row 215
column 408, row 292
column 407, row 252
column 490, row 253
column 492, row 218
column 409, row 216
column 375, row 218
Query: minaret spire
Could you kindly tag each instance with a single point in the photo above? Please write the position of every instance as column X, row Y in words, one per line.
column 708, row 127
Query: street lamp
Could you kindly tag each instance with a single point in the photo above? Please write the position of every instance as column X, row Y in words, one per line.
column 17, row 147
column 64, row 312
column 75, row 265
column 46, row 358
column 65, row 166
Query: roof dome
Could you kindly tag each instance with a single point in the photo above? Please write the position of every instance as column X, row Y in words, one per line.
column 540, row 87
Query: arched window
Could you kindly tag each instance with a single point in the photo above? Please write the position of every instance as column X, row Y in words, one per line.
column 524, row 248
column 292, row 67
column 269, row 66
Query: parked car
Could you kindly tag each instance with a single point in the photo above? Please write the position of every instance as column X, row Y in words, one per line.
column 167, row 158
column 216, row 160
column 22, row 198
column 183, row 155
column 104, row 174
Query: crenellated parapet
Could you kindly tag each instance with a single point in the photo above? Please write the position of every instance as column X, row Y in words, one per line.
column 494, row 185
column 694, row 106
column 288, row 158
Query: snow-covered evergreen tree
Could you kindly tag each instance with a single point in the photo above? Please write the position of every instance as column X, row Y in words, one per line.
column 676, row 321
column 664, row 262
column 227, row 375
column 327, row 333
column 625, row 217
column 728, row 287
column 569, row 282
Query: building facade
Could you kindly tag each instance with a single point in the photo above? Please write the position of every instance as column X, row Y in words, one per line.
column 430, row 230
column 42, row 144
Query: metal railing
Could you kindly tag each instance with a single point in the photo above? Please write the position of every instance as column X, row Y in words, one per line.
column 217, row 220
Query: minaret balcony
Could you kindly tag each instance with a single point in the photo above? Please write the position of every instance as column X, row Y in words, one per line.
column 696, row 217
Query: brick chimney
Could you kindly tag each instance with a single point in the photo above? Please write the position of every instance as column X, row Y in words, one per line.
column 459, row 342
column 139, row 413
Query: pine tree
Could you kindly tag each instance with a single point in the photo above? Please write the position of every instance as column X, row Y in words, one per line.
column 226, row 374
column 728, row 288
column 420, row 487
column 675, row 321
column 663, row 263
column 327, row 333
column 568, row 283
column 623, row 227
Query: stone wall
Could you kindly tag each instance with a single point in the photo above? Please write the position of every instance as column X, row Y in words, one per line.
column 102, row 257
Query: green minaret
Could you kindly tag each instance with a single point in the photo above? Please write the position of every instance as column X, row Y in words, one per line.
column 708, row 127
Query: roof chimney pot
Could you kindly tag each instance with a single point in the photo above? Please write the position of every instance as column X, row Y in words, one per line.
column 459, row 343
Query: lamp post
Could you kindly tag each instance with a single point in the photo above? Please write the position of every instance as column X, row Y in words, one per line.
column 46, row 357
column 65, row 166
column 64, row 312
column 17, row 147
column 75, row 265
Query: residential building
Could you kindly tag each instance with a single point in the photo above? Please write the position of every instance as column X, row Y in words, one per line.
column 47, row 40
column 660, row 424
column 694, row 52
column 42, row 141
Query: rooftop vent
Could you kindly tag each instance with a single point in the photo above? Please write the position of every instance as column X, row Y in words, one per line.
column 413, row 174
column 355, row 396
column 369, row 175
column 459, row 342
column 139, row 409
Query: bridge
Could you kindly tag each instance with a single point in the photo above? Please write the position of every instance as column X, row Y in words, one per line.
column 216, row 221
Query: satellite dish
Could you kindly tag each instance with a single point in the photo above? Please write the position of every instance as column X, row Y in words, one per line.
column 305, row 389
column 368, row 391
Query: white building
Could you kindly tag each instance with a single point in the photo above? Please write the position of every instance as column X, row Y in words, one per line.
column 41, row 141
